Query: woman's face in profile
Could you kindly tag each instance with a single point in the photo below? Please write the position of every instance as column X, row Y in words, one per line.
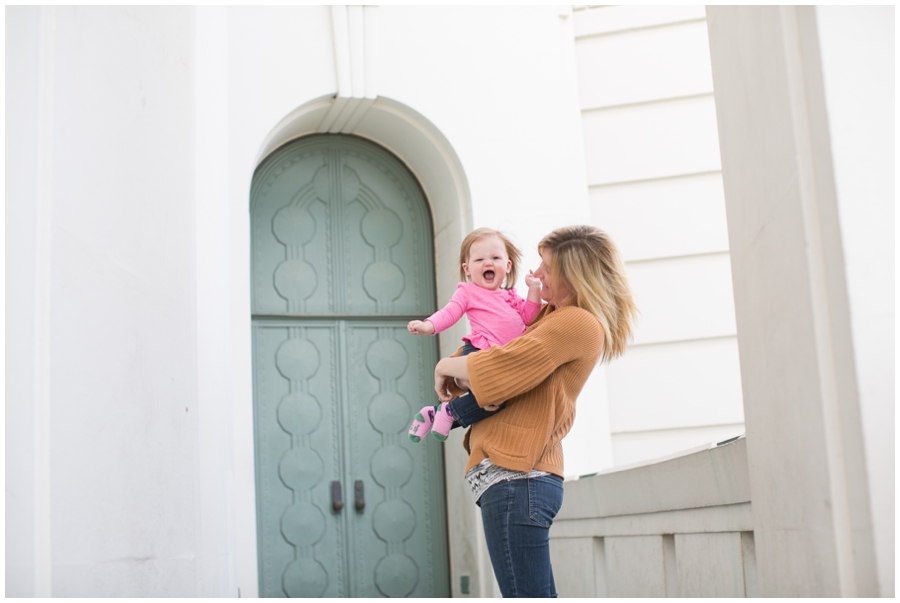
column 556, row 295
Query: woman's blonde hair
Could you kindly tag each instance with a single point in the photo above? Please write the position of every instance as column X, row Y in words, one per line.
column 588, row 261
column 511, row 250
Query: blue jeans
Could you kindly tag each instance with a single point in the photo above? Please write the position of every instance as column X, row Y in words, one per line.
column 517, row 516
column 465, row 409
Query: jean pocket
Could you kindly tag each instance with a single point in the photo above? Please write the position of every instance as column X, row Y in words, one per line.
column 545, row 495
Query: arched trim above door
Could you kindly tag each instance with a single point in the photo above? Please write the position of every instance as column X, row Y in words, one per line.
column 417, row 143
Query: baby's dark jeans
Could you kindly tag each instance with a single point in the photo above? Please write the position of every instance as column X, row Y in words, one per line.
column 465, row 409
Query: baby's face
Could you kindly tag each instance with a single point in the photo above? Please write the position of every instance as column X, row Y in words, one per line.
column 488, row 263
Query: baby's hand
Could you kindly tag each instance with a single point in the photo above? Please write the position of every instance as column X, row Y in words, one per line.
column 419, row 327
column 532, row 281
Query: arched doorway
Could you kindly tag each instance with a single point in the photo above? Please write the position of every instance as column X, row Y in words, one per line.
column 341, row 260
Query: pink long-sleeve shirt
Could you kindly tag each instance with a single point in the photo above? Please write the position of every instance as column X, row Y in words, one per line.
column 496, row 317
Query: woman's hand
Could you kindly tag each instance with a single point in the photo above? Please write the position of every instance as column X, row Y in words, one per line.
column 446, row 372
column 444, row 388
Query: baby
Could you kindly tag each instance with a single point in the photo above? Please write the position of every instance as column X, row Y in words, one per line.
column 497, row 314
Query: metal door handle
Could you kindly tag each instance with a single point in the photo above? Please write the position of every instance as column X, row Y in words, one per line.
column 360, row 496
column 336, row 503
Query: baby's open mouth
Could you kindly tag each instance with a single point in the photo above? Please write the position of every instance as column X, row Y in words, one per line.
column 488, row 275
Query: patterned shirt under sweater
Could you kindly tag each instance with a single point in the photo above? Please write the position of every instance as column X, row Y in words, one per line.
column 484, row 475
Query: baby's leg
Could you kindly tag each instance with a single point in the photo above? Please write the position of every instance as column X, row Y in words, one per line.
column 443, row 422
column 461, row 412
column 422, row 423
column 437, row 419
column 464, row 410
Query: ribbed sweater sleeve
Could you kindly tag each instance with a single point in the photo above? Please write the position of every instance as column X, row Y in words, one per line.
column 501, row 373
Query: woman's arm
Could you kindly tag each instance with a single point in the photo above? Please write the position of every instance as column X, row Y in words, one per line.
column 501, row 373
column 450, row 371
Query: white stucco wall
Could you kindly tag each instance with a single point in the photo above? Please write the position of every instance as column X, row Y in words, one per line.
column 655, row 185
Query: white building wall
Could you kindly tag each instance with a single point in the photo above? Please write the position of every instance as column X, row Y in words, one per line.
column 804, row 505
column 112, row 390
column 655, row 185
column 134, row 135
column 140, row 129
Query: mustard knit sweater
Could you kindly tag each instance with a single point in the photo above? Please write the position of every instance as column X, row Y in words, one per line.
column 539, row 375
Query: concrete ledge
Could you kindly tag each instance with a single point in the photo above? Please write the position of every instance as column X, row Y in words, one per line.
column 725, row 518
column 705, row 477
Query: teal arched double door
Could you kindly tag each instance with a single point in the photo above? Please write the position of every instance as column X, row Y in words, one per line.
column 341, row 260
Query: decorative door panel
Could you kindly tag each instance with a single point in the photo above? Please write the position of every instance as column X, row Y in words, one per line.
column 341, row 261
column 390, row 374
column 297, row 459
column 339, row 226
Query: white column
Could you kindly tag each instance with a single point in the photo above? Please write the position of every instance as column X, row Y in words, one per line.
column 788, row 224
column 29, row 70
column 43, row 558
column 218, row 572
column 857, row 48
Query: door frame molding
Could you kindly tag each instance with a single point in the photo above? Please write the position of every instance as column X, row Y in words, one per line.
column 430, row 157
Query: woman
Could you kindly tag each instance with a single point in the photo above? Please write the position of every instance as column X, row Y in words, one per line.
column 515, row 463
